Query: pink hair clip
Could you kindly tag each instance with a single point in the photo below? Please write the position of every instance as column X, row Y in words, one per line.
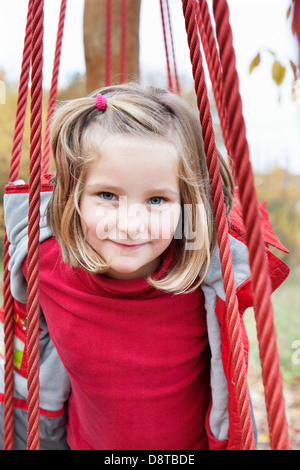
column 101, row 102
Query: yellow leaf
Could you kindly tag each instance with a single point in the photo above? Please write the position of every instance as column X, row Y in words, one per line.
column 294, row 68
column 279, row 98
column 295, row 90
column 278, row 72
column 255, row 62
column 263, row 438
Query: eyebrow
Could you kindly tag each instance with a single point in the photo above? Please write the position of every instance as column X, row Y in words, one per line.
column 162, row 191
column 111, row 188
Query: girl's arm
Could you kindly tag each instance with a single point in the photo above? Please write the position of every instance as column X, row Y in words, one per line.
column 16, row 223
column 54, row 380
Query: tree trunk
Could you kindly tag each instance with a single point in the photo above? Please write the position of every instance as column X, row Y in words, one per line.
column 95, row 42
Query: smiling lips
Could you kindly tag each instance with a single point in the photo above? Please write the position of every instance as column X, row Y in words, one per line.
column 128, row 247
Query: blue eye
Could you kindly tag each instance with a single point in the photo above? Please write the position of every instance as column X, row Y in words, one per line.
column 156, row 201
column 107, row 196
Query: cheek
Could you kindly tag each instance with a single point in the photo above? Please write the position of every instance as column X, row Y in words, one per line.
column 164, row 223
column 96, row 221
column 89, row 228
column 105, row 223
column 86, row 218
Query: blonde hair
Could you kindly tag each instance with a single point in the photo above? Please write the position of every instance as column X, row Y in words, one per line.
column 143, row 112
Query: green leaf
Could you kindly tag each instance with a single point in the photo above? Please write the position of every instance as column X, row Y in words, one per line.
column 255, row 62
column 278, row 72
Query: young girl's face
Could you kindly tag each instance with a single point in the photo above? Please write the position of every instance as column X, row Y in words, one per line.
column 130, row 205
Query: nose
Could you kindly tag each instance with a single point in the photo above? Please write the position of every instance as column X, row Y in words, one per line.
column 132, row 220
column 132, row 226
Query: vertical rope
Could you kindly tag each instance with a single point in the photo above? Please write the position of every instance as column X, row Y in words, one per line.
column 8, row 301
column 214, row 66
column 258, row 262
column 176, row 79
column 108, row 43
column 9, row 353
column 172, row 80
column 53, row 88
column 123, row 45
column 22, row 100
column 296, row 20
column 222, row 228
column 33, row 225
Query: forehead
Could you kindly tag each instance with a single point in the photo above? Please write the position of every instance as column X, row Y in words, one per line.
column 112, row 148
column 134, row 159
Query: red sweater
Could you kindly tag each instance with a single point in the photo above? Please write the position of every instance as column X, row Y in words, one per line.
column 138, row 359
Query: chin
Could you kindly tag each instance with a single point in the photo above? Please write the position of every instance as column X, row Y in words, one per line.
column 126, row 270
column 124, row 275
column 119, row 270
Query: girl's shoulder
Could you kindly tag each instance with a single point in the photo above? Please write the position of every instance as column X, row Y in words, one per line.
column 278, row 270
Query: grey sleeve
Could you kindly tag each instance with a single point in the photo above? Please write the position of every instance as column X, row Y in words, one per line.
column 54, row 380
column 16, row 223
column 212, row 288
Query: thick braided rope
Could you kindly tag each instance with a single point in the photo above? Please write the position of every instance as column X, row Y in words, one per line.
column 8, row 301
column 33, row 226
column 296, row 19
column 172, row 78
column 222, row 228
column 108, row 42
column 171, row 87
column 213, row 64
column 9, row 353
column 53, row 88
column 22, row 100
column 176, row 79
column 123, row 45
column 258, row 262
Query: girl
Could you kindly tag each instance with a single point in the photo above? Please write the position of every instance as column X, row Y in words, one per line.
column 130, row 279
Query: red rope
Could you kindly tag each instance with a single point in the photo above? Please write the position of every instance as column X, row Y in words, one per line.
column 8, row 301
column 176, row 79
column 22, row 100
column 33, row 226
column 296, row 20
column 261, row 282
column 53, row 89
column 9, row 353
column 222, row 228
column 173, row 81
column 123, row 45
column 108, row 43
column 214, row 66
column 166, row 46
